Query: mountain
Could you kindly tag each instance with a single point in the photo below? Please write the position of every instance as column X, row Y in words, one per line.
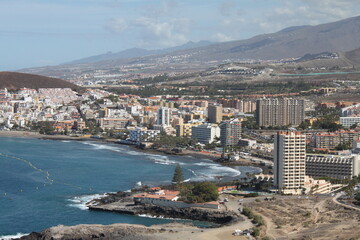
column 15, row 80
column 138, row 52
column 292, row 42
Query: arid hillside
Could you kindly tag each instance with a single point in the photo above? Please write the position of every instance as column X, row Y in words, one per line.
column 14, row 80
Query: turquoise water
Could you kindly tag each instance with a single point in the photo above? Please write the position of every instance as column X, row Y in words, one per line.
column 45, row 183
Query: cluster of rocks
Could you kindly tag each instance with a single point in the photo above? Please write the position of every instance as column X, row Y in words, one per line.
column 122, row 202
column 126, row 206
column 104, row 232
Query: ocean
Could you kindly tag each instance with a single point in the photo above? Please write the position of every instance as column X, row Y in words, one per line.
column 44, row 183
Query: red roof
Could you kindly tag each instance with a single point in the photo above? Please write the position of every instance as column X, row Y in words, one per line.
column 167, row 194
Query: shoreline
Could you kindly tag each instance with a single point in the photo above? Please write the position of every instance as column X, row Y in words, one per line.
column 165, row 152
column 186, row 229
column 123, row 202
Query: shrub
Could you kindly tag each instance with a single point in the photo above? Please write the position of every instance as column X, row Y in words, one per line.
column 256, row 232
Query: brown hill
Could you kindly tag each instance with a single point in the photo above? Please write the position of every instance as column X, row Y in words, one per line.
column 15, row 80
column 354, row 56
column 345, row 60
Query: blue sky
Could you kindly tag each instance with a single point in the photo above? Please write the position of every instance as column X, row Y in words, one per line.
column 50, row 32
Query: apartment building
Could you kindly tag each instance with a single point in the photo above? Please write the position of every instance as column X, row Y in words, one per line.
column 350, row 110
column 143, row 135
column 114, row 123
column 327, row 140
column 230, row 132
column 333, row 166
column 279, row 111
column 241, row 105
column 331, row 140
column 185, row 130
column 163, row 116
column 349, row 121
column 289, row 162
column 348, row 136
column 205, row 133
column 215, row 113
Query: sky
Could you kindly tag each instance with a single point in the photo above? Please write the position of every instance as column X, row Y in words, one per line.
column 50, row 32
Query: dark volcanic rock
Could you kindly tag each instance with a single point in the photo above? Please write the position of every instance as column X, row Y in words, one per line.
column 201, row 214
column 82, row 232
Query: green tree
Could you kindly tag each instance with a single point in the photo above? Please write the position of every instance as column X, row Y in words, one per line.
column 200, row 192
column 343, row 146
column 304, row 125
column 178, row 175
column 357, row 197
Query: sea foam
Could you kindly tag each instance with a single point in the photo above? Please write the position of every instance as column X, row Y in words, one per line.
column 82, row 202
column 15, row 236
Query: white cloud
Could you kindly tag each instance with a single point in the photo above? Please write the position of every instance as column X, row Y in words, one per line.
column 308, row 12
column 116, row 25
column 156, row 33
column 221, row 37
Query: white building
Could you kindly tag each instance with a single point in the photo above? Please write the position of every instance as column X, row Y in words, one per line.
column 143, row 135
column 230, row 132
column 356, row 146
column 289, row 162
column 333, row 166
column 163, row 116
column 349, row 121
column 351, row 110
column 205, row 133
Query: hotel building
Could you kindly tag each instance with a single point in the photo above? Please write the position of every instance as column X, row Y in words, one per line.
column 289, row 162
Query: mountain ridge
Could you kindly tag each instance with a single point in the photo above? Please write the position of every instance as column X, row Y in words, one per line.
column 290, row 43
column 138, row 52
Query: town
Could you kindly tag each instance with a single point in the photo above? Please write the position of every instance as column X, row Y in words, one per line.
column 304, row 147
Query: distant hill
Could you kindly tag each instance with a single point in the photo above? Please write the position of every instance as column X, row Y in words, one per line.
column 292, row 42
column 138, row 52
column 354, row 56
column 15, row 80
column 347, row 59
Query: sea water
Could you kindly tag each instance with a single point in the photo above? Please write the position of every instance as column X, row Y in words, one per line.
column 44, row 183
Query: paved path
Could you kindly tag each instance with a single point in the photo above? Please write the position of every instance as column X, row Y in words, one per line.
column 335, row 200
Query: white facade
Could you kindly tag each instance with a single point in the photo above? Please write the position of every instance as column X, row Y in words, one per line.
column 333, row 166
column 349, row 121
column 230, row 132
column 143, row 135
column 351, row 110
column 205, row 133
column 289, row 162
column 163, row 116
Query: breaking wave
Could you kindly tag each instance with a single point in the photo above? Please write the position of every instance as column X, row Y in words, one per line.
column 82, row 202
column 15, row 236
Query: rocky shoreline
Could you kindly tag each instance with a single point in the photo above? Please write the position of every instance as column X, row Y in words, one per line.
column 104, row 232
column 121, row 202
